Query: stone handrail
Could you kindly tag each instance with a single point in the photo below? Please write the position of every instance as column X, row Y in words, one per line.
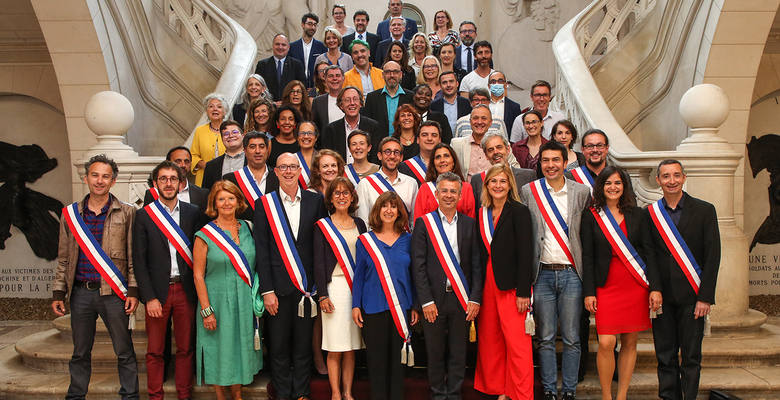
column 220, row 40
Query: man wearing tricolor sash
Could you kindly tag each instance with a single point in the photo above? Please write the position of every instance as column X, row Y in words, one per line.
column 387, row 179
column 556, row 206
column 497, row 150
column 255, row 179
column 188, row 192
column 417, row 166
column 162, row 256
column 595, row 148
column 448, row 278
column 95, row 272
column 684, row 247
column 284, row 233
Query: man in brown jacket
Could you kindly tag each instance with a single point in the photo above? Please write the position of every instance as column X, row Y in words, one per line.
column 95, row 271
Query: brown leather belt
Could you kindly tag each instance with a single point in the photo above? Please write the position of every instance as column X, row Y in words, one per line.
column 89, row 285
column 554, row 267
column 174, row 279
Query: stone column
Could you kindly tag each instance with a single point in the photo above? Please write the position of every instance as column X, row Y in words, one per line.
column 710, row 163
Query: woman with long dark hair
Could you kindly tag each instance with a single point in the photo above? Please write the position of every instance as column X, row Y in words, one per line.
column 443, row 160
column 397, row 52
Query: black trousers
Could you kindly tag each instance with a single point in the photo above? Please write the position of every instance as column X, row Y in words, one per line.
column 584, row 338
column 289, row 339
column 677, row 330
column 85, row 307
column 383, row 356
column 445, row 341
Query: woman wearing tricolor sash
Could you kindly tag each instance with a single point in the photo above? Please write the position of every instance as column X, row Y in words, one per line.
column 614, row 281
column 227, row 349
column 383, row 294
column 504, row 359
column 335, row 238
column 443, row 160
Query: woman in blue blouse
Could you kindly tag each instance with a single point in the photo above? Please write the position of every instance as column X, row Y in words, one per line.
column 388, row 244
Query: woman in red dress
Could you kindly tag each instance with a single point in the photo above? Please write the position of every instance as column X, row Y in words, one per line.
column 443, row 159
column 615, row 281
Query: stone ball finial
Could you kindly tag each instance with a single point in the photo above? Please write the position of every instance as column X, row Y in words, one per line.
column 704, row 106
column 109, row 113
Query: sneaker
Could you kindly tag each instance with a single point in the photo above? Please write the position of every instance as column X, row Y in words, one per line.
column 550, row 396
column 568, row 396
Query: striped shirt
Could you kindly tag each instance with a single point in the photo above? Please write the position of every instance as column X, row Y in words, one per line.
column 85, row 271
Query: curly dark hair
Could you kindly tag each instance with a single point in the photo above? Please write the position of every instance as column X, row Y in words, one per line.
column 627, row 199
column 275, row 120
column 397, row 123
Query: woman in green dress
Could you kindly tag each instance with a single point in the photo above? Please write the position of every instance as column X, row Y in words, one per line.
column 227, row 348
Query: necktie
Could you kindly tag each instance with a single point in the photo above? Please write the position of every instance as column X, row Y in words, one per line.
column 360, row 37
column 279, row 72
column 469, row 62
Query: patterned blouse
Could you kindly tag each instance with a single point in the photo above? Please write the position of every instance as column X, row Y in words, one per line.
column 452, row 37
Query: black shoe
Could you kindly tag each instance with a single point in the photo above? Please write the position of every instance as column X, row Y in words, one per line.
column 550, row 396
column 568, row 396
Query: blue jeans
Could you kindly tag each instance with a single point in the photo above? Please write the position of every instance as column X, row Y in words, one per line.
column 558, row 299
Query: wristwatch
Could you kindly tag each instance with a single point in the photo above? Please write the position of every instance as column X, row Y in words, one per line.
column 206, row 312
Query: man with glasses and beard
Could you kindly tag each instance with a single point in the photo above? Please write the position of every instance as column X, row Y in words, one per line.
column 387, row 178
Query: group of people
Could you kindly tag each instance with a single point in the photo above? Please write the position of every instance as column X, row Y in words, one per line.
column 338, row 223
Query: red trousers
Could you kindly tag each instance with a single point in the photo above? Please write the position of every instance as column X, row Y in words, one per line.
column 178, row 307
column 504, row 357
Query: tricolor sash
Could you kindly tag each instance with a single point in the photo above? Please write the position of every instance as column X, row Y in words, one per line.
column 621, row 246
column 486, row 227
column 248, row 185
column 552, row 217
column 171, row 230
column 379, row 183
column 675, row 243
column 431, row 187
column 351, row 174
column 339, row 246
column 379, row 259
column 446, row 256
column 305, row 175
column 91, row 248
column 418, row 167
column 583, row 176
column 155, row 194
column 231, row 250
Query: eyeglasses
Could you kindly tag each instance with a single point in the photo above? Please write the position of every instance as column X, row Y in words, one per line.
column 234, row 132
column 389, row 152
column 392, row 71
column 339, row 193
column 296, row 91
column 431, row 66
column 540, row 95
column 531, row 122
column 165, row 179
column 468, row 31
column 287, row 167
column 599, row 146
column 306, row 133
column 310, row 23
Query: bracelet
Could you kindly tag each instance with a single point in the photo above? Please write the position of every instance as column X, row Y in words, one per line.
column 206, row 312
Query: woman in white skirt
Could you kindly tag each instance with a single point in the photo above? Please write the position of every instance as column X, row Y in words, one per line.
column 334, row 249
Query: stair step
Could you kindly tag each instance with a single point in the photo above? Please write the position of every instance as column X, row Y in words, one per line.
column 62, row 324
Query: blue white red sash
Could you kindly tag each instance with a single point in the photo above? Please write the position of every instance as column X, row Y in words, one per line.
column 351, row 174
column 284, row 239
column 246, row 181
column 305, row 175
column 339, row 246
column 446, row 256
column 486, row 227
column 418, row 167
column 583, row 176
column 155, row 194
column 675, row 243
column 231, row 250
column 552, row 217
column 621, row 246
column 91, row 248
column 383, row 271
column 171, row 230
column 431, row 187
column 379, row 183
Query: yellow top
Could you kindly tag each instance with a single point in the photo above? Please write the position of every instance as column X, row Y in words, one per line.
column 352, row 78
column 203, row 148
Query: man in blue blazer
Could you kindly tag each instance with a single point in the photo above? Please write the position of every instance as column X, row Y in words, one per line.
column 396, row 7
column 360, row 20
column 456, row 106
column 307, row 48
column 397, row 28
column 498, row 84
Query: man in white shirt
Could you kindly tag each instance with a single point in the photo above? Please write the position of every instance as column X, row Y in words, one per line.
column 325, row 108
column 371, row 187
column 502, row 107
column 478, row 78
column 540, row 96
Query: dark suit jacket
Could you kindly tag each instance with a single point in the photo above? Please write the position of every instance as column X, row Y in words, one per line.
column 269, row 265
column 198, row 196
column 511, row 249
column 597, row 252
column 446, row 130
column 464, row 107
column 429, row 276
column 213, row 171
column 381, row 50
column 319, row 113
column 296, row 51
column 151, row 254
column 376, row 109
column 383, row 29
column 271, row 184
column 371, row 39
column 699, row 228
column 334, row 136
column 522, row 176
column 511, row 111
column 325, row 260
column 292, row 70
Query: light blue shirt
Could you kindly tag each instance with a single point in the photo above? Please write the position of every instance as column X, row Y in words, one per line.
column 451, row 111
column 392, row 106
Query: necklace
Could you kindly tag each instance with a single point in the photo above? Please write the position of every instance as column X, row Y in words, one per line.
column 343, row 224
column 233, row 235
column 406, row 141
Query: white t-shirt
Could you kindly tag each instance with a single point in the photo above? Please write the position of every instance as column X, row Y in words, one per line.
column 472, row 80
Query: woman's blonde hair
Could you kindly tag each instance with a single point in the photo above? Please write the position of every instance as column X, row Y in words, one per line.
column 487, row 199
column 421, row 75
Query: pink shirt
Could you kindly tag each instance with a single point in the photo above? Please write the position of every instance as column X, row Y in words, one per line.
column 478, row 161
